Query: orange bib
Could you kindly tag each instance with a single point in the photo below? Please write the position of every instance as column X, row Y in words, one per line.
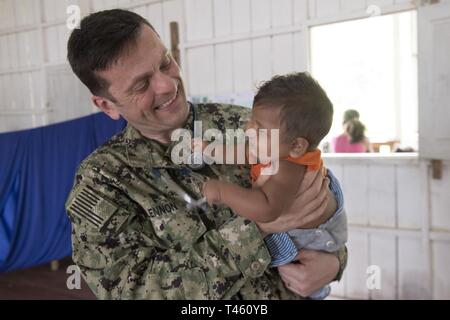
column 312, row 160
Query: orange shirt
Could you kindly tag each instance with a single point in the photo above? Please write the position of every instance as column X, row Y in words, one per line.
column 312, row 160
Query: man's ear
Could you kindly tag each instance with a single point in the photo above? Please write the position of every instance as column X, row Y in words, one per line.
column 107, row 106
column 299, row 147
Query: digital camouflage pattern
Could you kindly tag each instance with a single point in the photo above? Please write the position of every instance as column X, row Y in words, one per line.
column 135, row 238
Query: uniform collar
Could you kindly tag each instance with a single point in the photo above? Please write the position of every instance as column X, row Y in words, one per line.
column 144, row 152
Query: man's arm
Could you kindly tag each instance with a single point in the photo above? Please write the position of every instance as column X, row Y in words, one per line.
column 121, row 258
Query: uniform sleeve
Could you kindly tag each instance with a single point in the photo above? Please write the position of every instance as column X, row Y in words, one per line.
column 121, row 259
column 342, row 253
column 342, row 256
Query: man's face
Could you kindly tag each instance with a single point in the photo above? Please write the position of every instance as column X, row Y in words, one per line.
column 146, row 85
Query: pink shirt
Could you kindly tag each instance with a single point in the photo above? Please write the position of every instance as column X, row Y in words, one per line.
column 341, row 144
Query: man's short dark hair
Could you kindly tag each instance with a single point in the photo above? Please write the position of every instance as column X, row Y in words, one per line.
column 306, row 110
column 101, row 39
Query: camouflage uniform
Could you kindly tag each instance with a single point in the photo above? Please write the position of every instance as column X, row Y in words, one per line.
column 134, row 238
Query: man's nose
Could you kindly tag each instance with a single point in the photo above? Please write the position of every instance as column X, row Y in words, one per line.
column 163, row 84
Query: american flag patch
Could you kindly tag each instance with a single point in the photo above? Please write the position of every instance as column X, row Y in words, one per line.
column 89, row 206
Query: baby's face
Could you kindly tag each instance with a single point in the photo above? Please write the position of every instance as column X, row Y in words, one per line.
column 267, row 117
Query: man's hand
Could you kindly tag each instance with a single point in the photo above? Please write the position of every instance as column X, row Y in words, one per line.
column 309, row 208
column 315, row 270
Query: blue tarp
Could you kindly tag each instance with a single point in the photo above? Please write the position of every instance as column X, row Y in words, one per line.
column 37, row 169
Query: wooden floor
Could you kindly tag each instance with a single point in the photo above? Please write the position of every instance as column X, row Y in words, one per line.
column 41, row 283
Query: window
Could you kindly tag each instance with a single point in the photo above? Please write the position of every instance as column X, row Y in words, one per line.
column 371, row 65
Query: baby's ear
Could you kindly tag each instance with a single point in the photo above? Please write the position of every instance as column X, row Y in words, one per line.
column 299, row 147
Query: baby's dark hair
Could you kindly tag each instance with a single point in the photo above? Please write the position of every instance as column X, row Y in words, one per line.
column 355, row 129
column 306, row 110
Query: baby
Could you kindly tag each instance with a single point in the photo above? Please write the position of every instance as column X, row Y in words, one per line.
column 299, row 108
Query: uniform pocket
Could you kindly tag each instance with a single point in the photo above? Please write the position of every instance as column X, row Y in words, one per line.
column 180, row 228
column 189, row 284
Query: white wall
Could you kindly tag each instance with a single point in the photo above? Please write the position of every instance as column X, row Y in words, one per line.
column 399, row 220
column 232, row 45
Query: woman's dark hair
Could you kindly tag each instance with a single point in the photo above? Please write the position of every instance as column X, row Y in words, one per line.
column 350, row 114
column 355, row 129
column 101, row 39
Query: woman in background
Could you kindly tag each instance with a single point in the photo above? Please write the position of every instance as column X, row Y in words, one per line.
column 353, row 140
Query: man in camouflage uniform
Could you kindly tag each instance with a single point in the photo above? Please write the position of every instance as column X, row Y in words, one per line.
column 134, row 236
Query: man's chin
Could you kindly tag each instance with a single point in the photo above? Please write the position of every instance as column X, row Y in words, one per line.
column 179, row 114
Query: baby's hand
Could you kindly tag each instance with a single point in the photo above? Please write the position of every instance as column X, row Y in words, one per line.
column 211, row 190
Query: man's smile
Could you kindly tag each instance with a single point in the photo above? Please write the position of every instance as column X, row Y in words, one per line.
column 166, row 106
